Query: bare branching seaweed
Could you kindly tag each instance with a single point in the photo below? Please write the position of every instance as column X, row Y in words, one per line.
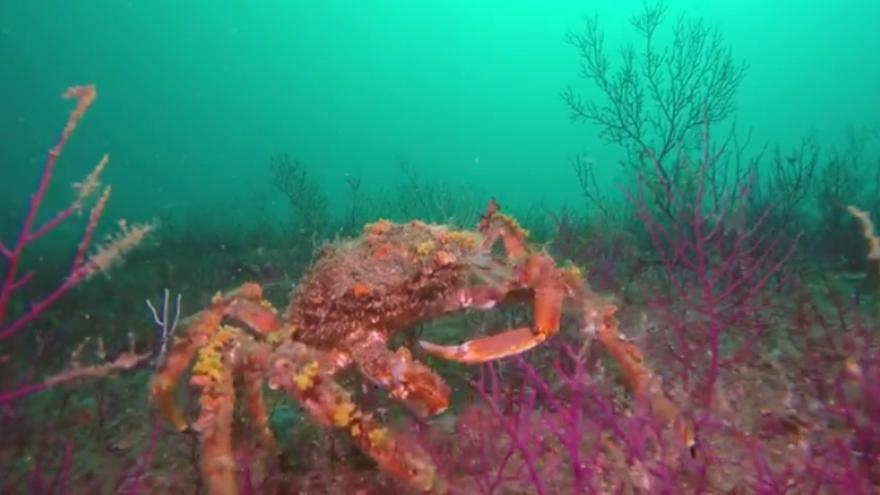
column 654, row 103
column 303, row 193
column 435, row 201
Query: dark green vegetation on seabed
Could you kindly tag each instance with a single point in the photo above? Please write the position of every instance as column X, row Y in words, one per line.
column 711, row 168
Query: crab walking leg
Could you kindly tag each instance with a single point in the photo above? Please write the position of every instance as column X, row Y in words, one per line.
column 641, row 381
column 180, row 356
column 257, row 314
column 307, row 375
column 212, row 373
column 204, row 325
column 228, row 352
column 406, row 379
column 495, row 225
column 251, row 362
column 256, row 407
column 599, row 317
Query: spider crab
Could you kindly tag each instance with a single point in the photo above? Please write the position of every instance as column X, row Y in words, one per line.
column 356, row 295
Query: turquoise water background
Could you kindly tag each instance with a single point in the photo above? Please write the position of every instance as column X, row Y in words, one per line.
column 195, row 96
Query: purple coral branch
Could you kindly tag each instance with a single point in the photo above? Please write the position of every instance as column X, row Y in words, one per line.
column 491, row 399
column 84, row 96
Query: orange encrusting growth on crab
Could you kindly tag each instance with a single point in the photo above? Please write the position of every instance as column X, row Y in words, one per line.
column 469, row 240
column 378, row 228
column 425, row 248
column 361, row 289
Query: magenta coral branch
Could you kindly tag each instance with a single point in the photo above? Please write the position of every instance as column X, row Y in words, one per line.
column 528, row 458
column 51, row 224
column 23, row 280
column 38, row 308
column 14, row 395
column 84, row 96
column 79, row 270
column 124, row 362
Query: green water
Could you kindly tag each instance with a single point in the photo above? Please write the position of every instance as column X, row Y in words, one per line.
column 195, row 96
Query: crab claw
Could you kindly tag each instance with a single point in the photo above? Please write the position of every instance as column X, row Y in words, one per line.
column 539, row 273
column 486, row 349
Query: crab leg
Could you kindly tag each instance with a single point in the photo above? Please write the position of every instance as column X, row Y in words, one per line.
column 256, row 406
column 241, row 304
column 213, row 374
column 164, row 383
column 495, row 225
column 407, row 380
column 306, row 375
column 639, row 378
column 229, row 351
